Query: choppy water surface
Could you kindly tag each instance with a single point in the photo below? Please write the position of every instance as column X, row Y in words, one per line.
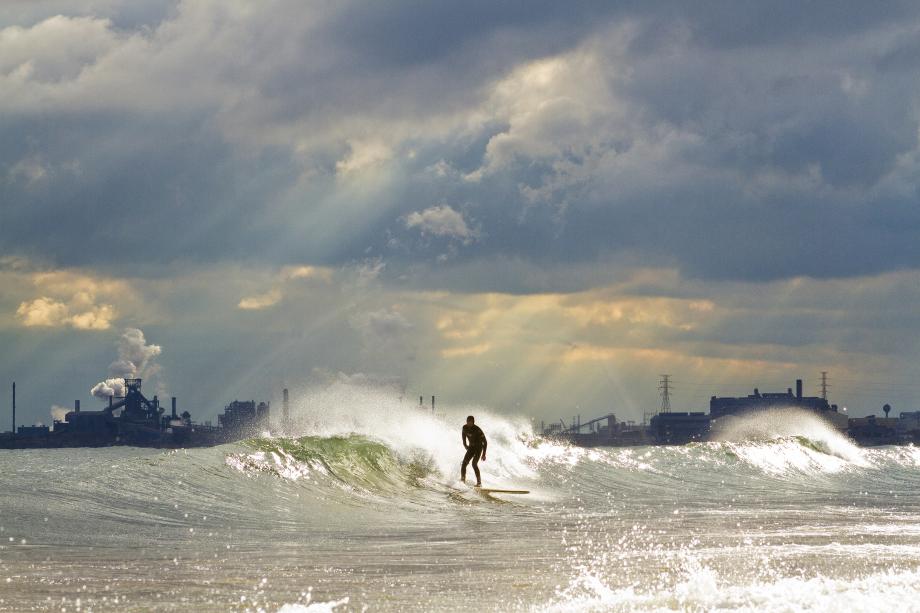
column 364, row 512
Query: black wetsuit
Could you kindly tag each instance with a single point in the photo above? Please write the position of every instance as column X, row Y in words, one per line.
column 474, row 439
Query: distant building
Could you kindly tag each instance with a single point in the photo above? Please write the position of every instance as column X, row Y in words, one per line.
column 872, row 430
column 34, row 431
column 604, row 431
column 245, row 417
column 719, row 407
column 135, row 420
column 677, row 428
column 909, row 424
column 723, row 406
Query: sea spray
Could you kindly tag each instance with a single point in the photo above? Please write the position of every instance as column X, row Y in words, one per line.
column 377, row 412
column 785, row 422
column 808, row 442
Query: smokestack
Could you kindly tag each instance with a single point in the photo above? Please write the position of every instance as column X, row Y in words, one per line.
column 76, row 406
column 798, row 389
column 174, row 415
column 285, row 405
column 421, row 401
column 14, row 407
column 432, row 404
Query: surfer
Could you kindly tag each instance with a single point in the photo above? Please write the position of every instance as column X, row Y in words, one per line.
column 474, row 440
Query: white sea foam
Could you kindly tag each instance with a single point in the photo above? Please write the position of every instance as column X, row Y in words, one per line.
column 315, row 607
column 702, row 589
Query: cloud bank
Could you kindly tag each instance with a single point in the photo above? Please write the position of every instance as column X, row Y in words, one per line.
column 603, row 131
column 417, row 189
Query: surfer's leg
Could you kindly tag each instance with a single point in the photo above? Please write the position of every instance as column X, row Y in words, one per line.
column 476, row 466
column 466, row 460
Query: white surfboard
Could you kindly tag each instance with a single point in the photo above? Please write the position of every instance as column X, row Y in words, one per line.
column 487, row 490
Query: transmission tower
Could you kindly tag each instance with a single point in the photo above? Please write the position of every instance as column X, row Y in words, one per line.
column 824, row 384
column 665, row 386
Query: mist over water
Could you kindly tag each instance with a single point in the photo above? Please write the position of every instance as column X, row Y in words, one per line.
column 362, row 509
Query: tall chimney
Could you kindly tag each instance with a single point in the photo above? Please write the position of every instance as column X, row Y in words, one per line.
column 421, row 401
column 798, row 389
column 285, row 405
column 174, row 415
column 432, row 404
column 14, row 407
column 76, row 406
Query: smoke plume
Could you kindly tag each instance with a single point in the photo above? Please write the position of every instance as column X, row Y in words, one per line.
column 135, row 359
column 58, row 412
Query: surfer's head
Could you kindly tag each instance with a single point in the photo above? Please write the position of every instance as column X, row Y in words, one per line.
column 470, row 419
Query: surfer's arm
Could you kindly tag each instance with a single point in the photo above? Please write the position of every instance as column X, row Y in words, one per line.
column 485, row 445
column 463, row 438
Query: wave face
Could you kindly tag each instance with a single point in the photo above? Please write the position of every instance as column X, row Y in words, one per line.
column 363, row 509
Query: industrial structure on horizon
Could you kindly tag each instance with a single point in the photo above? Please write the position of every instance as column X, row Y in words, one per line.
column 676, row 427
column 135, row 420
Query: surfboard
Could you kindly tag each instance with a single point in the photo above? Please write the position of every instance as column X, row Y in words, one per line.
column 486, row 490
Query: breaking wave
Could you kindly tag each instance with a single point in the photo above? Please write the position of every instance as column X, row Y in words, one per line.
column 389, row 451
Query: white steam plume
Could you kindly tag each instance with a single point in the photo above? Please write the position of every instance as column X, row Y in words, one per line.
column 58, row 412
column 135, row 359
column 109, row 387
column 135, row 356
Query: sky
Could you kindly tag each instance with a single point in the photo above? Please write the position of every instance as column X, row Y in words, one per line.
column 536, row 207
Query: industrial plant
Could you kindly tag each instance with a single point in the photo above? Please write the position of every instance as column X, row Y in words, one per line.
column 135, row 420
column 668, row 427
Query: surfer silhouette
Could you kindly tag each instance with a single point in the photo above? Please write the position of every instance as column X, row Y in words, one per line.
column 474, row 440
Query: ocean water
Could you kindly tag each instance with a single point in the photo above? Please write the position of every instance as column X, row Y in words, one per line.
column 363, row 511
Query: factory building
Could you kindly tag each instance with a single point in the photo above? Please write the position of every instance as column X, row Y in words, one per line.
column 133, row 419
column 679, row 428
column 724, row 406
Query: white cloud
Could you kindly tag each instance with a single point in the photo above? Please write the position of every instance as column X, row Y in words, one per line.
column 556, row 106
column 441, row 220
column 29, row 169
column 55, row 50
column 261, row 301
column 43, row 312
column 73, row 299
column 363, row 156
column 287, row 275
column 49, row 313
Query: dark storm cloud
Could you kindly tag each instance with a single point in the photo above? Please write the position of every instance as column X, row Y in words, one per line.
column 144, row 191
column 419, row 32
column 728, row 140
